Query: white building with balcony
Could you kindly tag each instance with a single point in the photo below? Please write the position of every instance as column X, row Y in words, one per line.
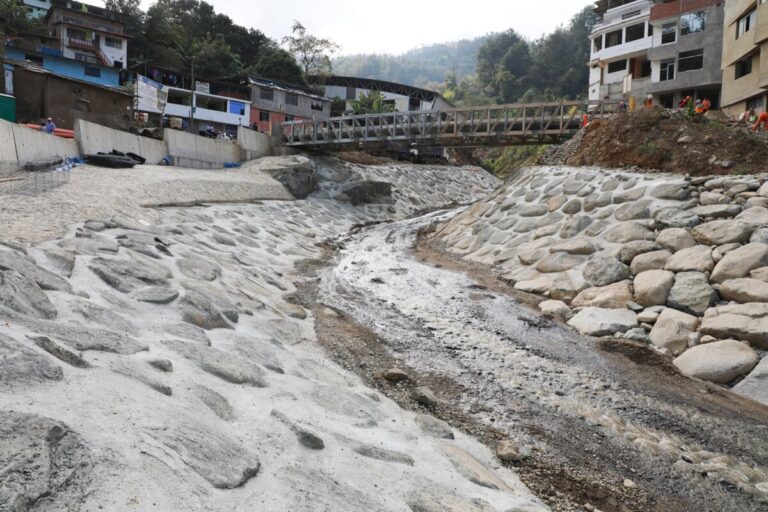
column 222, row 113
column 619, row 63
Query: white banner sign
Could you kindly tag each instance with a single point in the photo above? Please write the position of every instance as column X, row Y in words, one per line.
column 151, row 96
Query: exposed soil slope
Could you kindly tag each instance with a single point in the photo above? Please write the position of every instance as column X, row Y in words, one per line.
column 672, row 142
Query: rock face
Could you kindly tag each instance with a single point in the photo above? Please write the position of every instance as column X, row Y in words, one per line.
column 368, row 192
column 719, row 362
column 22, row 365
column 741, row 262
column 652, row 287
column 603, row 322
column 127, row 276
column 672, row 330
column 754, row 385
column 300, row 180
column 748, row 322
column 44, row 463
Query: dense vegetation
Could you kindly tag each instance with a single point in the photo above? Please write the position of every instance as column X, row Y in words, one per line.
column 423, row 67
column 178, row 33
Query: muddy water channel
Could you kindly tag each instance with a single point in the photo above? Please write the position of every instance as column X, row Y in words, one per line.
column 611, row 426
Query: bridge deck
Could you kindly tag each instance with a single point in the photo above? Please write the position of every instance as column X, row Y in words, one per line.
column 493, row 125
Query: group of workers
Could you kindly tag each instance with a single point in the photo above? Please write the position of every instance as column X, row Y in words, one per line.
column 700, row 106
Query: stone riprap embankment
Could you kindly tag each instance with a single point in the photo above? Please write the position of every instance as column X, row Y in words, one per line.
column 680, row 264
column 164, row 365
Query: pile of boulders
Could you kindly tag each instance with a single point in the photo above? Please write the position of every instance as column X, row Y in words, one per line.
column 678, row 263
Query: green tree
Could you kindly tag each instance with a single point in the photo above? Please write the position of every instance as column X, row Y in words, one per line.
column 371, row 103
column 312, row 53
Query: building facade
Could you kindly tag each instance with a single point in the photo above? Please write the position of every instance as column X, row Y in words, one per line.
column 620, row 42
column 686, row 51
column 403, row 98
column 276, row 102
column 745, row 56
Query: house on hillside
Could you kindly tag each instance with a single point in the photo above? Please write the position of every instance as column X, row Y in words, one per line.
column 687, row 51
column 39, row 8
column 666, row 48
column 79, row 45
column 745, row 56
column 277, row 102
column 403, row 98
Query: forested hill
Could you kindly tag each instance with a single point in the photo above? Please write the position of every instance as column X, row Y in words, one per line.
column 421, row 67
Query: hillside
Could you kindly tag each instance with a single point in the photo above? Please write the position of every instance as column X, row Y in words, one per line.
column 419, row 67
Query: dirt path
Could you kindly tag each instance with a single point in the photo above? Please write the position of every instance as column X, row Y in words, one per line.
column 612, row 426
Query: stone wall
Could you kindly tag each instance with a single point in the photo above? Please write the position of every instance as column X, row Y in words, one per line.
column 678, row 263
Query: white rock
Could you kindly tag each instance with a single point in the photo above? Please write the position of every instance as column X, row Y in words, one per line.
column 652, row 287
column 556, row 309
column 744, row 290
column 613, row 296
column 603, row 322
column 748, row 322
column 696, row 259
column 672, row 330
column 675, row 239
column 740, row 262
column 649, row 261
column 719, row 362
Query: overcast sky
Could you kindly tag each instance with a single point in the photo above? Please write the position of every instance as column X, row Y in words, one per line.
column 396, row 26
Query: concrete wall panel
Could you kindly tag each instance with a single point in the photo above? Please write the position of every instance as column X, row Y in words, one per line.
column 200, row 152
column 35, row 145
column 7, row 142
column 94, row 138
column 254, row 144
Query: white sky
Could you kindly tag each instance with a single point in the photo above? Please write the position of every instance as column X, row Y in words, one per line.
column 396, row 26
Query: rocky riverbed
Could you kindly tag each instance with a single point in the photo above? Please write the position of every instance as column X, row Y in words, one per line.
column 165, row 365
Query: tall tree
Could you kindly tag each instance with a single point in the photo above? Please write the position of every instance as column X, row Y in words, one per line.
column 313, row 53
column 371, row 103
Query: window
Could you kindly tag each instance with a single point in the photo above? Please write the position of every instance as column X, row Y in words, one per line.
column 263, row 116
column 743, row 67
column 179, row 97
column 746, row 23
column 292, row 99
column 237, row 108
column 614, row 38
column 615, row 67
column 667, row 70
column 288, row 119
column 113, row 43
column 91, row 71
column 317, row 105
column 84, row 57
column 689, row 61
column 668, row 33
column 598, row 43
column 635, row 32
column 756, row 103
column 76, row 33
column 693, row 22
column 266, row 94
column 650, row 30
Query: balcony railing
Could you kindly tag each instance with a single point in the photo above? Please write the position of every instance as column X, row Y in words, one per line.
column 74, row 42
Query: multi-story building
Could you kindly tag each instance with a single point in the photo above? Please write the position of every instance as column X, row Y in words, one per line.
column 619, row 62
column 276, row 102
column 403, row 98
column 745, row 56
column 80, row 45
column 665, row 48
column 38, row 8
column 686, row 51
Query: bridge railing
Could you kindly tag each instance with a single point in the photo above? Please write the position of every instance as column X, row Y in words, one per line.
column 550, row 119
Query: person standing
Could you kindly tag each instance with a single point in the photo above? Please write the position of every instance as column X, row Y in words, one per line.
column 49, row 126
column 706, row 104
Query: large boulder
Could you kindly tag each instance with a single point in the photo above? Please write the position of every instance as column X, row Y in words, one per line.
column 23, row 295
column 23, row 365
column 675, row 239
column 604, row 271
column 558, row 262
column 719, row 362
column 603, row 322
column 300, row 179
column 748, row 322
column 675, row 218
column 720, row 232
column 129, row 275
column 26, row 266
column 692, row 293
column 755, row 385
column 744, row 290
column 695, row 259
column 757, row 216
column 672, row 330
column 631, row 250
column 717, row 211
column 613, row 296
column 655, row 260
column 652, row 287
column 740, row 262
column 628, row 232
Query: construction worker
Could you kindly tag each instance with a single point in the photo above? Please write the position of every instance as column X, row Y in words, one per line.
column 49, row 126
column 706, row 104
column 762, row 120
column 648, row 105
column 699, row 107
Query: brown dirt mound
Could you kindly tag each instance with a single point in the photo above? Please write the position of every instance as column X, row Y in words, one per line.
column 671, row 142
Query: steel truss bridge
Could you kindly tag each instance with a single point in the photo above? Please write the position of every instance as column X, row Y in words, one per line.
column 487, row 126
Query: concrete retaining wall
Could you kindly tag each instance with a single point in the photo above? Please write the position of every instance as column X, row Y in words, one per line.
column 254, row 144
column 21, row 144
column 198, row 152
column 94, row 138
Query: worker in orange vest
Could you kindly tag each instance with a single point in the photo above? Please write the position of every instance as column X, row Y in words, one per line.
column 762, row 120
